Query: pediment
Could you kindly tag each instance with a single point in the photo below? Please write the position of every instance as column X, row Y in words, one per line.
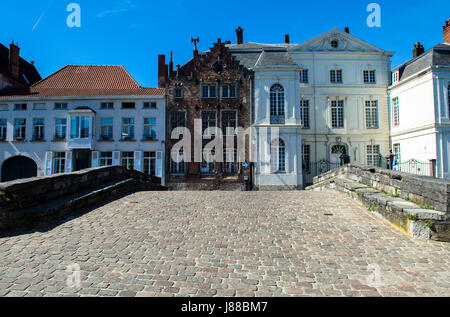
column 336, row 41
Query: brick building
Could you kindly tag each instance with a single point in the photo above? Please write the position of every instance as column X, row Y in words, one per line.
column 214, row 88
column 16, row 74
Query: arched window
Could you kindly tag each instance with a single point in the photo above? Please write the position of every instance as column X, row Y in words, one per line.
column 278, row 156
column 277, row 104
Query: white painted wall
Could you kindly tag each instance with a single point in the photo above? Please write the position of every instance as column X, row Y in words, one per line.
column 37, row 150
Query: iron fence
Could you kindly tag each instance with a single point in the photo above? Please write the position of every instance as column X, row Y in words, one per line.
column 313, row 169
column 415, row 167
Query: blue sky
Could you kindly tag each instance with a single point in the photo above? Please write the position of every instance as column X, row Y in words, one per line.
column 133, row 32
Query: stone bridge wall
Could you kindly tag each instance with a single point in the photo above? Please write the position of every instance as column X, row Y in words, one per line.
column 422, row 190
column 30, row 192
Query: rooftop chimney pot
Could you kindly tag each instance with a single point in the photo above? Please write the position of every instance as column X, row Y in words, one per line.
column 240, row 35
column 446, row 32
column 347, row 30
column 286, row 39
column 14, row 59
column 418, row 50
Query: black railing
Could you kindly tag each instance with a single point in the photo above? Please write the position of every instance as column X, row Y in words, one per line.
column 415, row 167
column 313, row 169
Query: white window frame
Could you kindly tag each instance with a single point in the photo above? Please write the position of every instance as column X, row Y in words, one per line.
column 278, row 156
column 127, row 159
column 304, row 76
column 3, row 129
column 337, row 114
column 108, row 127
column 59, row 128
column 38, row 127
column 128, row 128
column 106, row 158
column 335, row 75
column 59, row 162
column 304, row 113
column 372, row 154
column 277, row 104
column 395, row 112
column 371, row 76
column 150, row 128
column 20, row 131
column 371, row 114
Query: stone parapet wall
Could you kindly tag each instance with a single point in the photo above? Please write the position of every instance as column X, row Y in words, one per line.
column 422, row 190
column 30, row 192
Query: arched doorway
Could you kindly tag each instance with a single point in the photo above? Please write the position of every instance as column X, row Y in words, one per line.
column 18, row 167
column 336, row 152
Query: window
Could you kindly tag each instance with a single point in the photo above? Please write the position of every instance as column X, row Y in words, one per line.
column 304, row 76
column 20, row 106
column 128, row 105
column 230, row 162
column 372, row 114
column 208, row 165
column 209, row 90
column 149, row 105
column 278, row 156
column 127, row 128
column 369, row 77
column 178, row 93
column 177, row 119
column 150, row 128
column 337, row 114
column 106, row 159
column 334, row 43
column 4, row 107
column 150, row 163
column 128, row 160
column 229, row 91
column 277, row 104
column 395, row 112
column 20, row 129
column 79, row 127
column 336, row 76
column 208, row 121
column 3, row 129
column 229, row 122
column 106, row 132
column 59, row 162
column 38, row 129
column 306, row 158
column 304, row 113
column 177, row 163
column 60, row 128
column 107, row 106
column 395, row 77
column 39, row 106
column 397, row 152
column 60, row 106
column 373, row 155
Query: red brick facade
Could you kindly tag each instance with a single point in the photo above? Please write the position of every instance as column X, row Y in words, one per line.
column 217, row 68
column 446, row 32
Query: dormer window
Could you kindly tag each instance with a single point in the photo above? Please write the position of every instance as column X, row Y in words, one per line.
column 395, row 77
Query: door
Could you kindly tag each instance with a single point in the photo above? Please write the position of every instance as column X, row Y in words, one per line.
column 336, row 152
column 82, row 160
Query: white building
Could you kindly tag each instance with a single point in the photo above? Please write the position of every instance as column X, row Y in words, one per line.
column 81, row 117
column 328, row 96
column 420, row 112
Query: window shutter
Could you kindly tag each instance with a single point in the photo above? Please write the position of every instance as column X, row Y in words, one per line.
column 159, row 161
column 138, row 161
column 95, row 159
column 68, row 165
column 48, row 163
column 116, row 158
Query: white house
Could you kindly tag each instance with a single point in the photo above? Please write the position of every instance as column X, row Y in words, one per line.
column 81, row 117
column 327, row 96
column 420, row 112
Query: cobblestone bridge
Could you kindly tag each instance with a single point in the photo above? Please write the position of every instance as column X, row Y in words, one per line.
column 225, row 244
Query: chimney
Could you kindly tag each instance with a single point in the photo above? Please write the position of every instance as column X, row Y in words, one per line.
column 162, row 71
column 447, row 32
column 286, row 39
column 14, row 60
column 347, row 30
column 418, row 50
column 171, row 65
column 240, row 35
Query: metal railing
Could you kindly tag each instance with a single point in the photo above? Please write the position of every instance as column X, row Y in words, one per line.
column 415, row 167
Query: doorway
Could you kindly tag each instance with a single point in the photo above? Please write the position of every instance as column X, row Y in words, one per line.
column 82, row 160
column 18, row 167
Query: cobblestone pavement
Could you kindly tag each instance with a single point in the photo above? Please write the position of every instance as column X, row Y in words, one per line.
column 225, row 244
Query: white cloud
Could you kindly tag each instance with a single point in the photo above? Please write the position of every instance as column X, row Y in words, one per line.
column 126, row 6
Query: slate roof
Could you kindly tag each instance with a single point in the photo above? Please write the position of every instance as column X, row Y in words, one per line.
column 86, row 81
column 28, row 74
column 437, row 55
column 253, row 55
